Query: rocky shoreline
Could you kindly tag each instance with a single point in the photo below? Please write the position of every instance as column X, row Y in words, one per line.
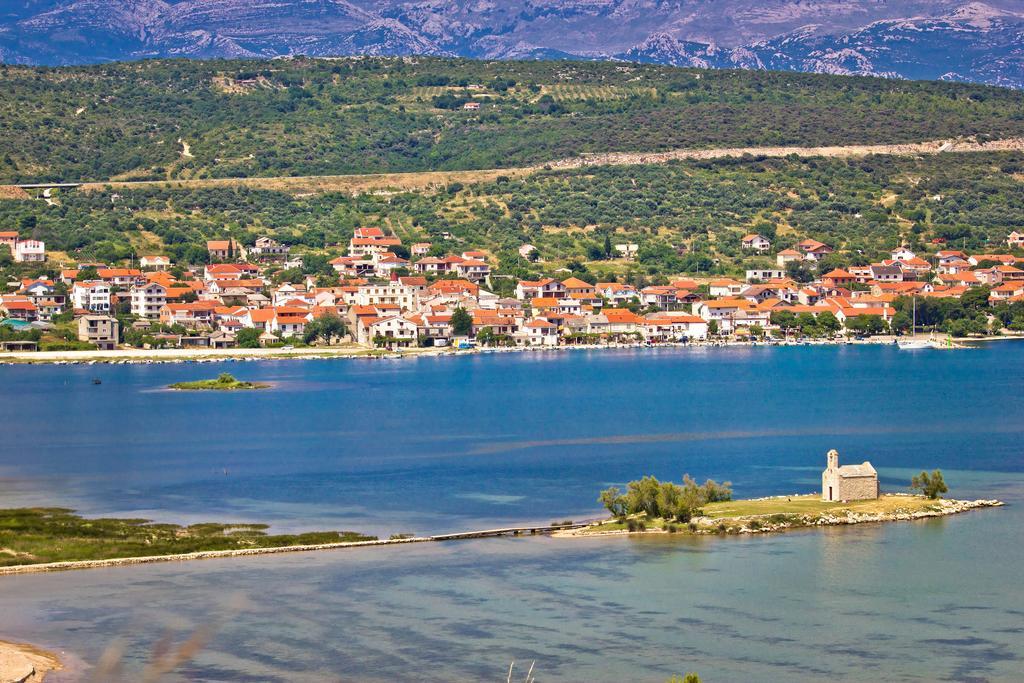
column 762, row 524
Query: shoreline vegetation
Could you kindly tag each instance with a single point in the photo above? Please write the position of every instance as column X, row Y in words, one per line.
column 56, row 537
column 156, row 356
column 223, row 382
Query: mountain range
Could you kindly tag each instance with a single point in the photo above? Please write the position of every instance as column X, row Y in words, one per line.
column 937, row 39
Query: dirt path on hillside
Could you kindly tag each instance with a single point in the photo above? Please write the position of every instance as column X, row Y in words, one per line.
column 433, row 180
column 835, row 151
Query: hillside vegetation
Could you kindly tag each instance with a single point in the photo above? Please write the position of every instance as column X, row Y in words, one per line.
column 182, row 119
column 686, row 216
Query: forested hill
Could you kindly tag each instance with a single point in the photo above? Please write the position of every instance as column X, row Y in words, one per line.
column 185, row 119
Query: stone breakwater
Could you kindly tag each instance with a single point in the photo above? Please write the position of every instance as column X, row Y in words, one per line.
column 201, row 555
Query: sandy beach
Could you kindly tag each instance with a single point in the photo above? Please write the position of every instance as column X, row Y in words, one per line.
column 24, row 663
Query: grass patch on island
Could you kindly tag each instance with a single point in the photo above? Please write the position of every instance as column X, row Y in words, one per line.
column 813, row 505
column 38, row 535
column 224, row 382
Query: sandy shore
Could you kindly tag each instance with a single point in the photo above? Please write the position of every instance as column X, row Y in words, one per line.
column 23, row 663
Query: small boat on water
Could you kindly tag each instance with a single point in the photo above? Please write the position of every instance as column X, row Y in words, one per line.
column 912, row 344
column 97, row 380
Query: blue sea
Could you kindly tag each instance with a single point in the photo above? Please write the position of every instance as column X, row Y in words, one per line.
column 454, row 443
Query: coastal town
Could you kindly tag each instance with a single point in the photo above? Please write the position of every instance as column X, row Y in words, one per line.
column 381, row 293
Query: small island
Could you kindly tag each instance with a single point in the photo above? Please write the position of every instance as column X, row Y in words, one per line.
column 224, row 382
column 850, row 495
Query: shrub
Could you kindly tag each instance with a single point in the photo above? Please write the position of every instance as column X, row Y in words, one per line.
column 931, row 485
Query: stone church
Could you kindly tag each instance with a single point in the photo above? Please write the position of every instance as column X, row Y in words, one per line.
column 849, row 482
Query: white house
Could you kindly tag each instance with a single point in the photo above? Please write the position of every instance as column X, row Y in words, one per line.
column 29, row 251
column 155, row 262
column 787, row 256
column 147, row 300
column 537, row 289
column 675, row 326
column 725, row 287
column 617, row 293
column 730, row 314
column 628, row 251
column 541, row 333
column 755, row 242
column 91, row 296
column 902, row 254
column 395, row 330
column 765, row 274
column 392, row 292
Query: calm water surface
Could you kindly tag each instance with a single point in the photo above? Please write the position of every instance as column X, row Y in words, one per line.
column 458, row 443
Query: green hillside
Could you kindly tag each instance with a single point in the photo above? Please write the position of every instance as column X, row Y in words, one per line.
column 309, row 117
column 862, row 206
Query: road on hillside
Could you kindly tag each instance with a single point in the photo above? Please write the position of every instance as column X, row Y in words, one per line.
column 387, row 183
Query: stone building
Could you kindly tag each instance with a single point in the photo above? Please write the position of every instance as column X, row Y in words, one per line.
column 849, row 482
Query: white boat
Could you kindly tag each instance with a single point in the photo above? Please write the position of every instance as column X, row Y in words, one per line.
column 912, row 344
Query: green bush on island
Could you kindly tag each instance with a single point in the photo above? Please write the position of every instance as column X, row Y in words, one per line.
column 224, row 382
column 930, row 485
column 665, row 500
column 37, row 535
column 688, row 678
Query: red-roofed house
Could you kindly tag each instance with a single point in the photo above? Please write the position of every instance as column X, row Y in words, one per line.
column 755, row 242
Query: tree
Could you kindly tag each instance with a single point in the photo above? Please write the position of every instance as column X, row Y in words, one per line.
column 828, row 322
column 901, row 322
column 799, row 272
column 614, row 501
column 325, row 328
column 712, row 328
column 88, row 273
column 485, row 336
column 248, row 338
column 607, row 245
column 462, row 322
column 806, row 322
column 866, row 324
column 783, row 319
column 930, row 485
column 642, row 496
